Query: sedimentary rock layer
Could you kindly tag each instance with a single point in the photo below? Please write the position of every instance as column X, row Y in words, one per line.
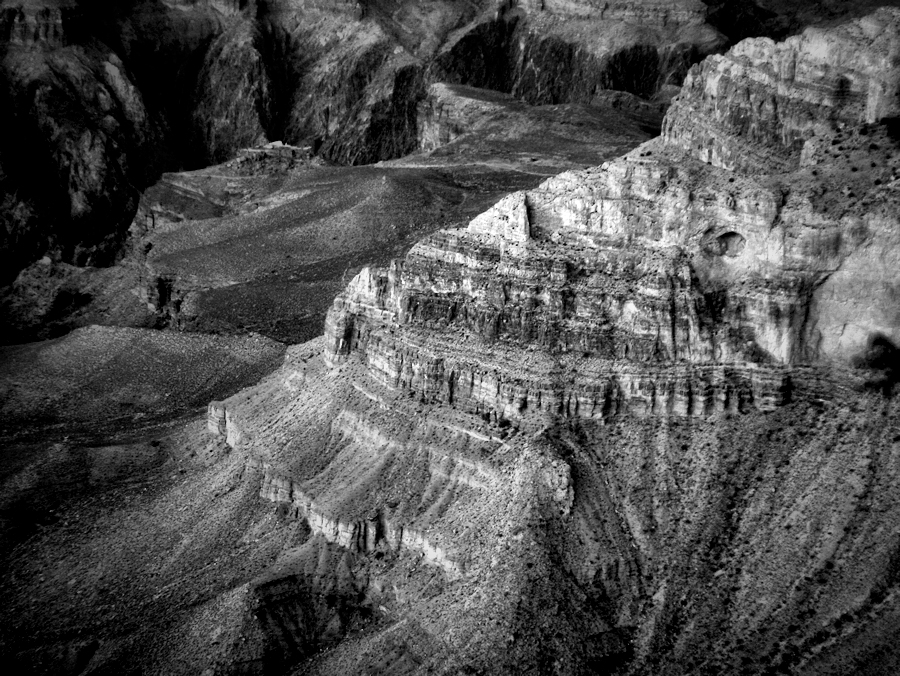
column 753, row 108
column 637, row 420
column 669, row 300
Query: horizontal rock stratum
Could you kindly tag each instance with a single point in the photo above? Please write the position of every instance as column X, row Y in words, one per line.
column 663, row 277
column 638, row 420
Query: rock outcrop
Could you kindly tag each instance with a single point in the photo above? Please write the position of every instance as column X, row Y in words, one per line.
column 53, row 23
column 638, row 419
column 207, row 79
column 361, row 537
column 493, row 120
column 459, row 125
column 70, row 169
column 449, row 112
column 667, row 374
column 232, row 90
column 770, row 111
column 605, row 327
column 566, row 52
column 667, row 256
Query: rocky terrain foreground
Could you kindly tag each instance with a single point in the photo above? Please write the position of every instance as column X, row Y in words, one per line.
column 636, row 418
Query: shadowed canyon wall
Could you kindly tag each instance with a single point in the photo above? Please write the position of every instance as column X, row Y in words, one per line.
column 189, row 83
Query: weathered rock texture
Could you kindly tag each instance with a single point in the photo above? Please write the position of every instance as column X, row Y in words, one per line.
column 489, row 125
column 206, row 79
column 70, row 160
column 636, row 419
column 199, row 254
column 659, row 263
column 54, row 23
column 770, row 112
column 566, row 52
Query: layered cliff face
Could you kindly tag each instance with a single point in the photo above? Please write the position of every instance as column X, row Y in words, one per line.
column 549, row 52
column 655, row 260
column 633, row 542
column 636, row 419
column 772, row 112
column 833, row 132
column 346, row 78
column 51, row 24
column 199, row 256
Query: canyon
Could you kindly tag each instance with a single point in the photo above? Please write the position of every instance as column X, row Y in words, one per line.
column 533, row 338
column 106, row 97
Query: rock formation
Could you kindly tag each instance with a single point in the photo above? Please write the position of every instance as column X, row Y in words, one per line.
column 771, row 113
column 565, row 52
column 638, row 416
column 491, row 126
column 636, row 419
column 663, row 259
column 329, row 220
column 206, row 79
column 54, row 23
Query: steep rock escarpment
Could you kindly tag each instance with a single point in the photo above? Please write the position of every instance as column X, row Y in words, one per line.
column 431, row 502
column 771, row 112
column 640, row 48
column 835, row 130
column 545, row 52
column 52, row 24
column 345, row 78
column 165, row 45
column 356, row 103
column 71, row 168
column 624, row 542
column 232, row 93
column 460, row 125
column 636, row 419
column 82, row 137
